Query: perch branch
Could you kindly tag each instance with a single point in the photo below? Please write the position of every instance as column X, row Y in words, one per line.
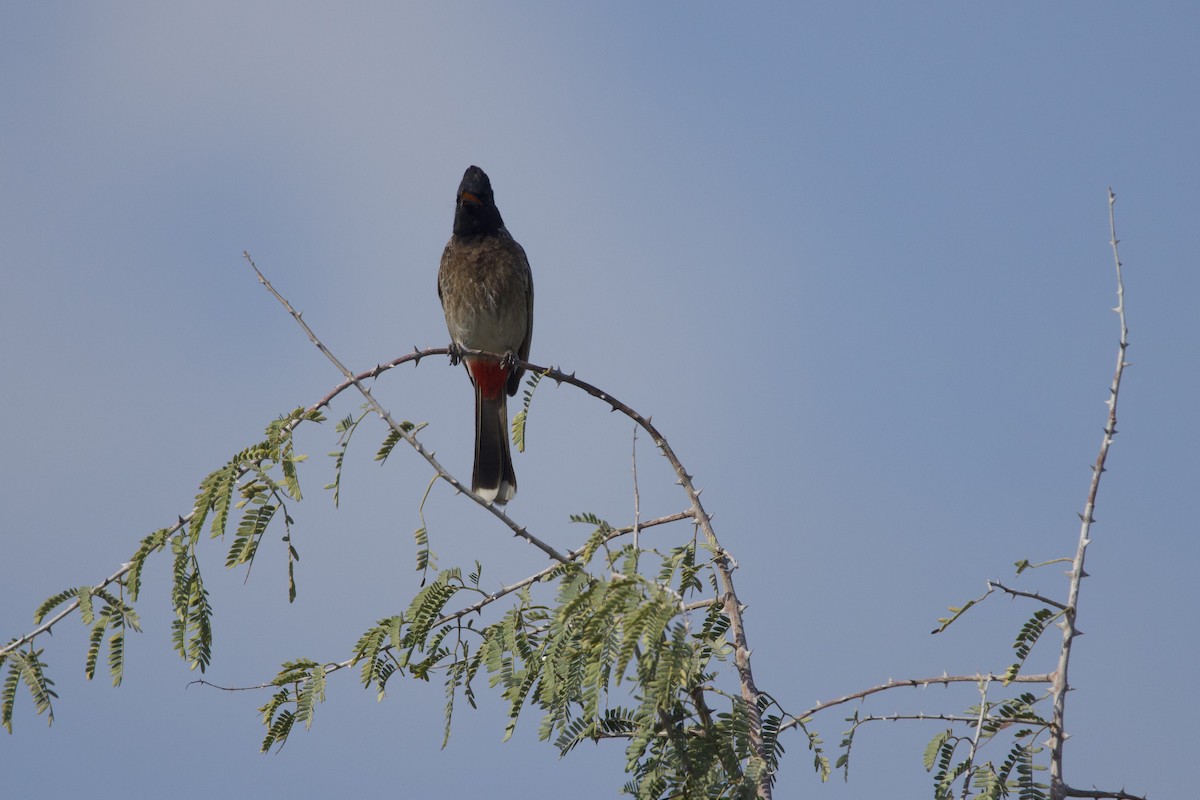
column 399, row 429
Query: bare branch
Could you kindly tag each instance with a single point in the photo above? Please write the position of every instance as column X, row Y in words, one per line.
column 1119, row 794
column 917, row 683
column 1041, row 598
column 1058, row 786
column 917, row 717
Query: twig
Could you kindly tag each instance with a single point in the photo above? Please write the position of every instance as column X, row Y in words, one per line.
column 1120, row 794
column 920, row 683
column 917, row 717
column 637, row 500
column 983, row 709
column 1058, row 787
column 1031, row 595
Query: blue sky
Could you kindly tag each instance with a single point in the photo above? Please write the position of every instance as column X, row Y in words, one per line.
column 853, row 258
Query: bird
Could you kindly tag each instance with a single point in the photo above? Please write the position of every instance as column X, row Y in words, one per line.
column 486, row 290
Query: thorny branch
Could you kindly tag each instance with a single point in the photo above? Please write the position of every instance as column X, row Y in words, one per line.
column 1058, row 786
column 910, row 683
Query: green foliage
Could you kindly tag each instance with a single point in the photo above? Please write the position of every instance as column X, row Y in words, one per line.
column 153, row 543
column 426, row 558
column 955, row 613
column 1027, row 637
column 191, row 630
column 953, row 758
column 25, row 666
column 616, row 654
column 522, row 416
column 115, row 615
column 258, row 481
column 392, row 439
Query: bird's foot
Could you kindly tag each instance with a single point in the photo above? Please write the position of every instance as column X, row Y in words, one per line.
column 456, row 353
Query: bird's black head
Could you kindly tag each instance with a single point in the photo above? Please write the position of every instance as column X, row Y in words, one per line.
column 475, row 213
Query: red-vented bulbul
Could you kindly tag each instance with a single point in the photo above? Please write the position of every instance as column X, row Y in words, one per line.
column 486, row 289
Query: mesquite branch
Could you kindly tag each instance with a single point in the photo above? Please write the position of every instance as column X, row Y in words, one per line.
column 1058, row 786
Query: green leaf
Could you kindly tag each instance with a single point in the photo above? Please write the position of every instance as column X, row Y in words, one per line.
column 955, row 613
column 519, row 421
column 312, row 692
column 51, row 603
column 27, row 666
column 934, row 748
column 392, row 439
column 154, row 542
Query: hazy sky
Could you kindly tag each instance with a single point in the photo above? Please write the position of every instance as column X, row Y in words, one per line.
column 853, row 258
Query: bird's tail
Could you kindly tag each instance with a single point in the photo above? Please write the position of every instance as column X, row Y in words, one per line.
column 493, row 478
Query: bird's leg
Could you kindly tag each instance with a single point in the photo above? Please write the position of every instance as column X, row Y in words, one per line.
column 456, row 352
column 509, row 361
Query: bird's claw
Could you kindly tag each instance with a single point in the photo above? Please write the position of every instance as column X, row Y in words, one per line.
column 456, row 353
